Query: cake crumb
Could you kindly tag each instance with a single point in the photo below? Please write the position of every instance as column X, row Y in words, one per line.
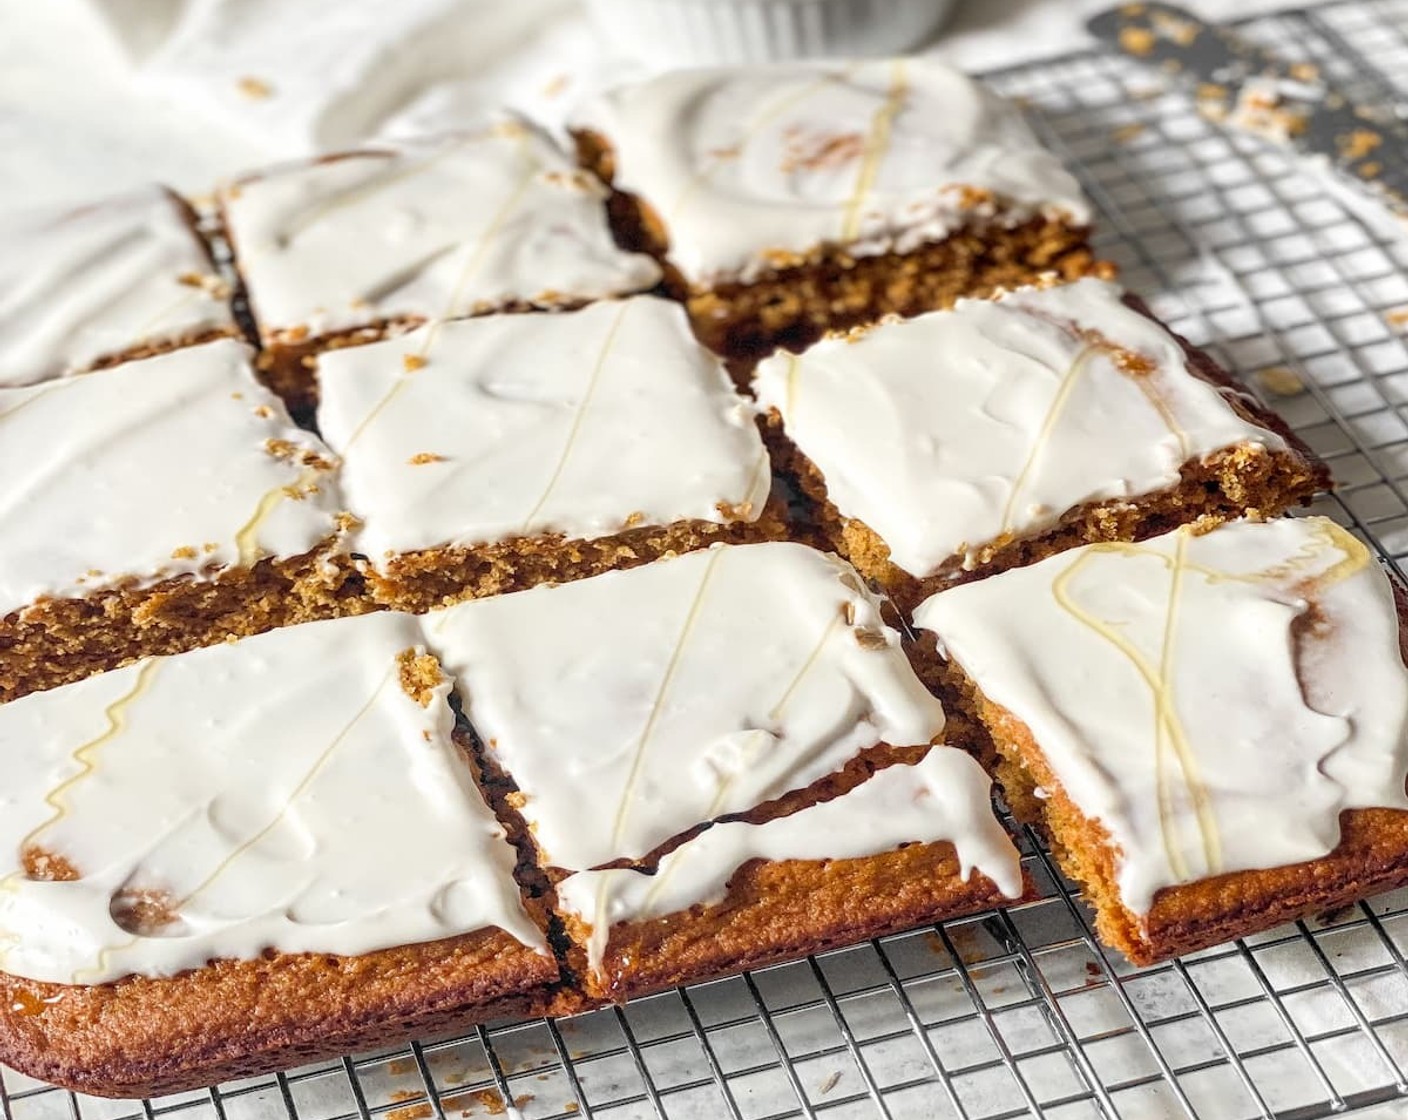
column 184, row 552
column 413, row 362
column 420, row 675
column 1137, row 40
column 263, row 411
column 421, row 1111
column 47, row 867
column 1358, row 144
column 399, row 1067
column 556, row 85
column 424, row 457
column 144, row 913
column 1397, row 318
column 1279, row 381
column 256, row 88
column 870, row 637
column 831, row 1081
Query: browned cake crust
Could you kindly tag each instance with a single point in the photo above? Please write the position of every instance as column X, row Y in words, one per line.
column 1372, row 855
column 802, row 296
column 1243, row 481
column 781, row 910
column 143, row 1037
column 55, row 641
column 423, row 580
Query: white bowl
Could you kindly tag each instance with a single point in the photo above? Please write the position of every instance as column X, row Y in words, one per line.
column 714, row 32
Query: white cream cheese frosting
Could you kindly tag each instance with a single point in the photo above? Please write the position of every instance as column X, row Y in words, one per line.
column 878, row 155
column 317, row 75
column 88, row 284
column 282, row 792
column 631, row 706
column 955, row 429
column 178, row 464
column 583, row 423
column 432, row 229
column 1214, row 701
column 945, row 796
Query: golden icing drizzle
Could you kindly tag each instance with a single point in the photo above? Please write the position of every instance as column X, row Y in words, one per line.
column 40, row 393
column 672, row 666
column 411, row 363
column 247, row 536
column 572, row 433
column 1133, row 366
column 760, row 485
column 1044, row 433
column 475, row 258
column 876, row 146
column 84, row 755
column 1168, row 728
column 309, row 776
column 774, row 713
column 600, row 923
column 794, row 377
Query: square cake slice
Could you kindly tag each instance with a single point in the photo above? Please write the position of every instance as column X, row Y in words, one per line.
column 123, row 278
column 240, row 858
column 487, row 455
column 967, row 441
column 1212, row 729
column 155, row 506
column 915, row 843
column 794, row 198
column 628, row 709
column 346, row 248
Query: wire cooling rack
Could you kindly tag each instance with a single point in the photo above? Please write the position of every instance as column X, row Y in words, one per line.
column 1300, row 288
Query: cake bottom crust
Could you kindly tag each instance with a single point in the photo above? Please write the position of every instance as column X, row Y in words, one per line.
column 57, row 641
column 144, row 1037
column 776, row 911
column 1372, row 855
column 424, row 580
column 830, row 290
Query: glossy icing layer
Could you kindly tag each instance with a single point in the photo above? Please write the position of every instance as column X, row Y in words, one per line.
column 91, row 284
column 216, row 804
column 678, row 692
column 1214, row 702
column 584, row 423
column 959, row 428
column 182, row 464
column 433, row 229
column 946, row 796
column 746, row 166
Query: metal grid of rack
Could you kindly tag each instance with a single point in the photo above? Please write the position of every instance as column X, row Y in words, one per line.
column 1303, row 290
